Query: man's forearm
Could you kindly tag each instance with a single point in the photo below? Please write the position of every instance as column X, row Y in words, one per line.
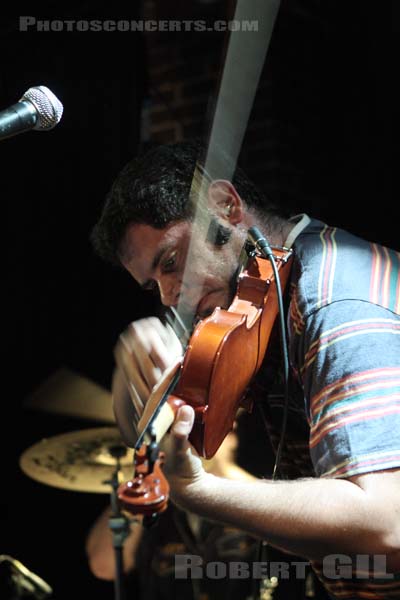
column 312, row 517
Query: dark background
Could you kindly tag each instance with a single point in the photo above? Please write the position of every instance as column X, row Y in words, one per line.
column 62, row 305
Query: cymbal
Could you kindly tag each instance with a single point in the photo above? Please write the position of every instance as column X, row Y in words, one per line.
column 67, row 393
column 79, row 461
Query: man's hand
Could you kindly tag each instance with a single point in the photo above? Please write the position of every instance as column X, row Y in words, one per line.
column 146, row 351
column 143, row 352
column 183, row 467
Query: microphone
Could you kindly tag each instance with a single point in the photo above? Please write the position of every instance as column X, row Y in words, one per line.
column 260, row 242
column 38, row 109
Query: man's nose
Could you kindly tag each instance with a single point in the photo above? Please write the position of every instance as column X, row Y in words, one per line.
column 169, row 288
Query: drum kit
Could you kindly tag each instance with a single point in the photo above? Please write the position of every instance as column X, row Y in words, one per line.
column 80, row 461
column 83, row 460
column 93, row 460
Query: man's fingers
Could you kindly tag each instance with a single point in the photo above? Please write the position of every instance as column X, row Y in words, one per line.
column 152, row 348
column 182, row 426
column 127, row 363
column 147, row 341
column 147, row 353
column 138, row 363
column 159, row 341
column 183, row 464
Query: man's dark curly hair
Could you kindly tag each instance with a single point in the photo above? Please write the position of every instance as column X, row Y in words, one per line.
column 154, row 189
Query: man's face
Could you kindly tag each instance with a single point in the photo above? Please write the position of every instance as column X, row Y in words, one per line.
column 198, row 280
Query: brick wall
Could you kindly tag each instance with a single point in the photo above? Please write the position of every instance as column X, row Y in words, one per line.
column 183, row 69
column 311, row 98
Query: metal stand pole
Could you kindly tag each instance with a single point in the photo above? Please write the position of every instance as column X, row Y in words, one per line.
column 119, row 525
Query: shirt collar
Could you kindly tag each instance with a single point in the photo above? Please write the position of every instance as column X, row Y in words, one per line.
column 301, row 221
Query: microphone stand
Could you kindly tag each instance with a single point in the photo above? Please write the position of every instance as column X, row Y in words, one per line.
column 119, row 525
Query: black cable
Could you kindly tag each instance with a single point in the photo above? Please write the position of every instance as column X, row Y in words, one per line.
column 263, row 246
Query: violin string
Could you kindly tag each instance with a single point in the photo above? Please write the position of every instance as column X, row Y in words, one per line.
column 178, row 325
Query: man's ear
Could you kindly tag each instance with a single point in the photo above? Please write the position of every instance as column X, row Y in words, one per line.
column 225, row 202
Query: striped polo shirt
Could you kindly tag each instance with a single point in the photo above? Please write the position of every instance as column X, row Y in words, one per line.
column 344, row 338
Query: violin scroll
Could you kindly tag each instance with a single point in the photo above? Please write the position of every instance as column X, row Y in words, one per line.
column 148, row 492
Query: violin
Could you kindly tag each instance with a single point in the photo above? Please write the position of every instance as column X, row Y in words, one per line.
column 224, row 353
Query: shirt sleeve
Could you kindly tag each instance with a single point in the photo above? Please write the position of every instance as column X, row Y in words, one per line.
column 348, row 360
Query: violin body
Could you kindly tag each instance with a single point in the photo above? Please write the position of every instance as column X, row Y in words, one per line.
column 226, row 350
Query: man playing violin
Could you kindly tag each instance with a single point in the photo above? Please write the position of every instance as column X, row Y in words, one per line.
column 337, row 500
